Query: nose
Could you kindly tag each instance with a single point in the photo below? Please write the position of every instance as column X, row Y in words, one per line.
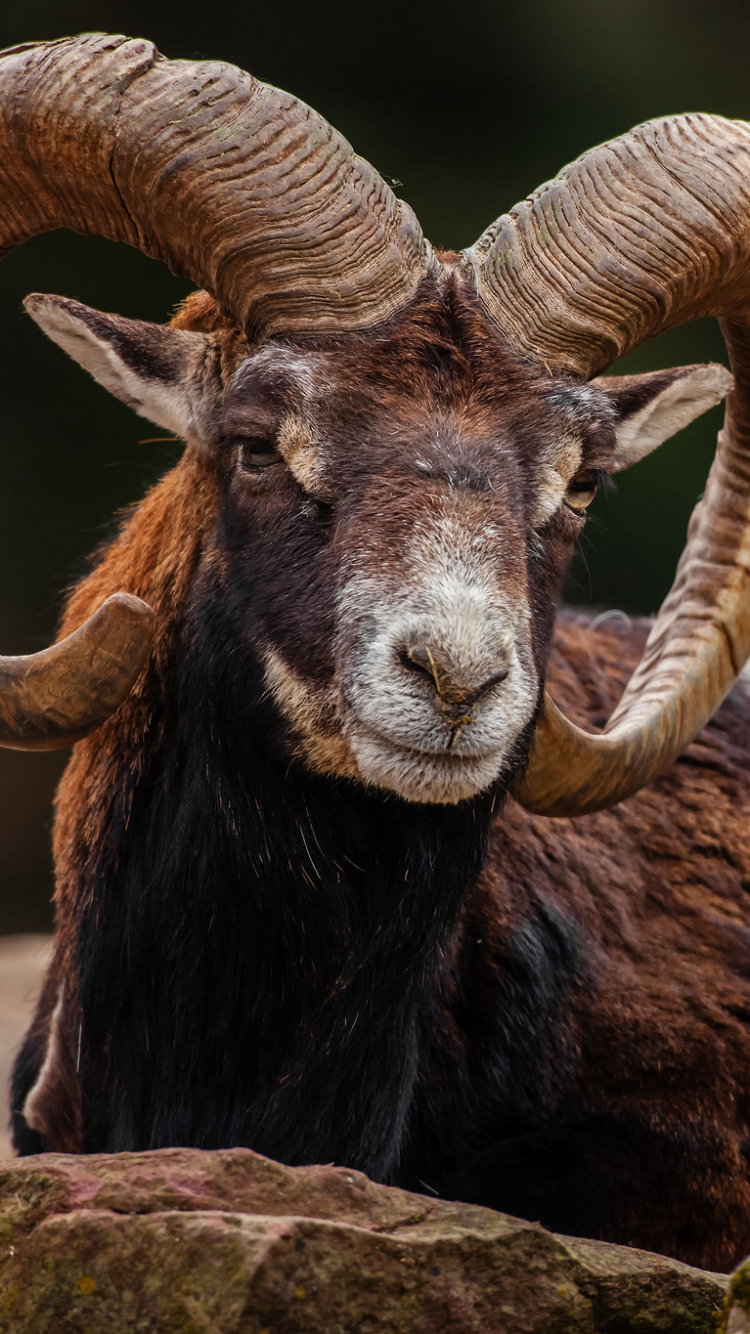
column 456, row 692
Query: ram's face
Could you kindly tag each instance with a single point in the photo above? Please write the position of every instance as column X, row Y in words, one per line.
column 397, row 513
column 398, row 554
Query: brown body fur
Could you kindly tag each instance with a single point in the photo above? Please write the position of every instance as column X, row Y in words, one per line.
column 155, row 557
column 660, row 1027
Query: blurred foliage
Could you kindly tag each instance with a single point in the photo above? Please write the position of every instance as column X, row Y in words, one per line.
column 468, row 108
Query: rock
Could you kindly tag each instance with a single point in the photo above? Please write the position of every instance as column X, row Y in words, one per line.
column 184, row 1242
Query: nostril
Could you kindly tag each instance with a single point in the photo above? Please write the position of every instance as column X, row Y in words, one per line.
column 420, row 660
column 495, row 680
column 451, row 689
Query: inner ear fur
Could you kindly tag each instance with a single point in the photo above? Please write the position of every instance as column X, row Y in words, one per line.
column 164, row 373
column 650, row 408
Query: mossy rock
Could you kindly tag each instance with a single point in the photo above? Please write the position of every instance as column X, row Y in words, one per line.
column 184, row 1242
column 735, row 1316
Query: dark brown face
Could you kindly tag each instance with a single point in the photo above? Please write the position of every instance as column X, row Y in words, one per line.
column 398, row 521
column 397, row 512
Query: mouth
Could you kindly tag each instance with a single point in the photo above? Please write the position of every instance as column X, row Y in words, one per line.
column 436, row 776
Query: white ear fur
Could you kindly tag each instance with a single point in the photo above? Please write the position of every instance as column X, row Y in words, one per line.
column 146, row 365
column 678, row 403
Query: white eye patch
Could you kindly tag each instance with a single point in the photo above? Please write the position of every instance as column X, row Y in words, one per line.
column 298, row 448
column 555, row 474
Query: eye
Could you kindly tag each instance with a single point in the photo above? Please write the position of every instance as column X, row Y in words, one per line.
column 256, row 452
column 581, row 490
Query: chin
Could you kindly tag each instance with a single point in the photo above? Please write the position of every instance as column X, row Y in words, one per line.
column 423, row 776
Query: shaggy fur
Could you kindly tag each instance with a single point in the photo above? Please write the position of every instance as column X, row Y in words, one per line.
column 256, row 948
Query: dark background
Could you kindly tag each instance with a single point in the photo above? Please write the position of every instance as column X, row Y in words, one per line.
column 469, row 107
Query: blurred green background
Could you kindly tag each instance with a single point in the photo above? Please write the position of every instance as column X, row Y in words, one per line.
column 469, row 106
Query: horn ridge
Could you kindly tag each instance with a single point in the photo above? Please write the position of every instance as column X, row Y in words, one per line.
column 636, row 236
column 234, row 184
column 645, row 229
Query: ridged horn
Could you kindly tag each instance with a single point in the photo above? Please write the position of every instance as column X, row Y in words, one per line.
column 51, row 699
column 637, row 236
column 232, row 183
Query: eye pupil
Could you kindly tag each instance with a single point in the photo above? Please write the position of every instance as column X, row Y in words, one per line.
column 257, row 452
column 581, row 491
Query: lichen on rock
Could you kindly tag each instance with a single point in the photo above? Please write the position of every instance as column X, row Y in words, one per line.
column 186, row 1242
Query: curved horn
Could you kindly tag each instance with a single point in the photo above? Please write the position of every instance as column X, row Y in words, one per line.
column 51, row 699
column 638, row 235
column 234, row 184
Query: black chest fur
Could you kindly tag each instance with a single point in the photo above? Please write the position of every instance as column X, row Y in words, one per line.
column 259, row 949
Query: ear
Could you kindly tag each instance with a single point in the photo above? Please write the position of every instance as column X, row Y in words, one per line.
column 156, row 370
column 651, row 408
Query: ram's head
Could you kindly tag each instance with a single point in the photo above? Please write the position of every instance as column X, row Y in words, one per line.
column 405, row 441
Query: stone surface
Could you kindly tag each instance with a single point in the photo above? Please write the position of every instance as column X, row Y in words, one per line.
column 23, row 961
column 231, row 1243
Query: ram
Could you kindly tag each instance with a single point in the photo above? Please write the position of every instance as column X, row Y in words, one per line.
column 338, row 880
